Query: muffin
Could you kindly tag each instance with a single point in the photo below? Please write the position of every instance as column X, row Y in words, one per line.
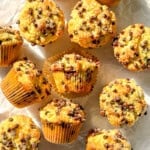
column 41, row 22
column 109, row 2
column 91, row 25
column 122, row 102
column 107, row 140
column 25, row 84
column 132, row 47
column 61, row 121
column 10, row 44
column 19, row 133
column 72, row 74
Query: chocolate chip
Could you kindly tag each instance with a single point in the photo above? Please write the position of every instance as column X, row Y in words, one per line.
column 11, row 119
column 113, row 23
column 106, row 145
column 18, row 22
column 25, row 28
column 105, row 16
column 96, row 41
column 63, row 124
column 145, row 113
column 47, row 7
column 88, row 28
column 18, row 69
column 30, row 11
column 102, row 113
column 105, row 136
column 40, row 11
column 45, row 81
column 38, row 89
column 148, row 62
column 71, row 35
column 115, row 41
column 47, row 92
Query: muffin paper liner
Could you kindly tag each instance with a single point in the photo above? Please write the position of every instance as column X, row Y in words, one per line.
column 8, row 54
column 60, row 133
column 49, row 75
column 17, row 94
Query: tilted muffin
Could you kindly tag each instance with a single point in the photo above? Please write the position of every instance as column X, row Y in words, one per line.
column 10, row 44
column 107, row 140
column 132, row 47
column 92, row 24
column 41, row 21
column 109, row 2
column 72, row 74
column 122, row 102
column 19, row 133
column 25, row 84
column 61, row 121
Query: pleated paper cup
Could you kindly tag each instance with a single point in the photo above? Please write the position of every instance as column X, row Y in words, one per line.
column 8, row 54
column 60, row 133
column 16, row 93
column 77, row 89
column 9, row 50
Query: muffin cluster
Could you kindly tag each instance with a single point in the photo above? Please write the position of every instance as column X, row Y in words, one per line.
column 71, row 74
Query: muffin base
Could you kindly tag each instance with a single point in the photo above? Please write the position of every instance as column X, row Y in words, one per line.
column 49, row 74
column 60, row 133
column 17, row 94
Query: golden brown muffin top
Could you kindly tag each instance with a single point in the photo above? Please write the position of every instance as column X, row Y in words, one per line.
column 62, row 111
column 74, row 63
column 30, row 76
column 19, row 132
column 122, row 102
column 132, row 47
column 107, row 140
column 91, row 24
column 9, row 36
column 41, row 21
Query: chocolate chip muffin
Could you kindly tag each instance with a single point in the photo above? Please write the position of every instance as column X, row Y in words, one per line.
column 122, row 102
column 19, row 133
column 10, row 44
column 91, row 25
column 41, row 21
column 72, row 74
column 25, row 84
column 132, row 47
column 109, row 2
column 61, row 121
column 107, row 140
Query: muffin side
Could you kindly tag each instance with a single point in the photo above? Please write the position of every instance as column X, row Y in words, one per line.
column 25, row 85
column 10, row 45
column 72, row 73
column 61, row 121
